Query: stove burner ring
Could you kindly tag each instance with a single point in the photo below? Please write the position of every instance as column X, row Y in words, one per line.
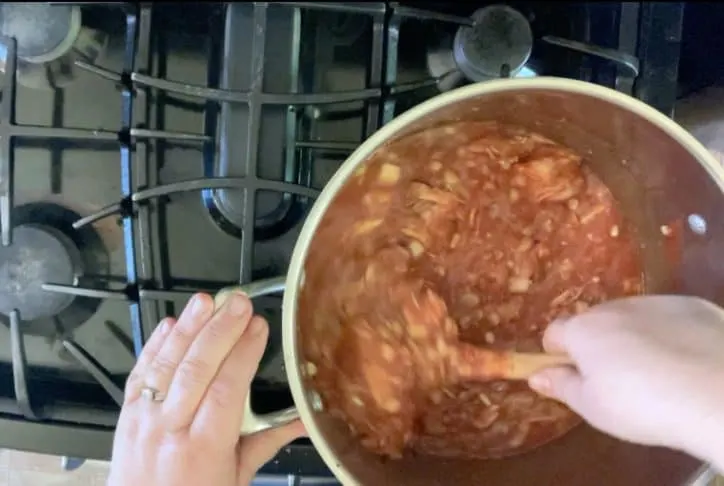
column 39, row 254
column 497, row 45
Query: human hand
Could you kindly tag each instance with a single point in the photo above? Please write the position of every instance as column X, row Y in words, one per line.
column 650, row 370
column 203, row 364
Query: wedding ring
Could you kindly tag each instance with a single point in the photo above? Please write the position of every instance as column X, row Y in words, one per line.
column 152, row 394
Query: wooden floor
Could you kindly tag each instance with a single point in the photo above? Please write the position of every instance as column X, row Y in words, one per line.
column 27, row 469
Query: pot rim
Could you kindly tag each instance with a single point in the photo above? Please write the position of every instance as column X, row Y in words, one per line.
column 295, row 275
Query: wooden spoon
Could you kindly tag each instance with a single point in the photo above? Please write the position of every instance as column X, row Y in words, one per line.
column 473, row 363
column 442, row 358
column 434, row 359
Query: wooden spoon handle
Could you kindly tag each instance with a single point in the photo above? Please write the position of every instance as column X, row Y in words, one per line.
column 523, row 365
column 478, row 364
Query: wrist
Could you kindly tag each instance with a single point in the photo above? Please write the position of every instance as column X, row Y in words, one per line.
column 711, row 447
column 706, row 439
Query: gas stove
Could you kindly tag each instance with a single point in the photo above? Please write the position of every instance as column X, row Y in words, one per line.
column 148, row 152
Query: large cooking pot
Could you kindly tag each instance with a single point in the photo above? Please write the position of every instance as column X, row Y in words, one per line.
column 661, row 176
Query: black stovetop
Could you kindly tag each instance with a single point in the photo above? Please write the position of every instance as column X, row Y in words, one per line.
column 174, row 150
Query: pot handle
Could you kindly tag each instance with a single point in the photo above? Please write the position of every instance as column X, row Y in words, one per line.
column 252, row 422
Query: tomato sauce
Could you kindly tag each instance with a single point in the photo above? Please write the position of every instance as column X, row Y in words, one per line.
column 473, row 230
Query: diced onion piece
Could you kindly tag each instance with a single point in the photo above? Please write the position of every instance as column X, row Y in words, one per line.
column 416, row 248
column 389, row 173
column 519, row 285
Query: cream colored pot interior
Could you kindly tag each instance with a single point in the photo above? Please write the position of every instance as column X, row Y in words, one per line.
column 661, row 177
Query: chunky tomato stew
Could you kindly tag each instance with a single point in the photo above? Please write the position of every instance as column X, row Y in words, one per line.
column 472, row 231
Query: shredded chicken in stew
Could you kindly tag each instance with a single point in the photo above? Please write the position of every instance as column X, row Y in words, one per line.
column 474, row 232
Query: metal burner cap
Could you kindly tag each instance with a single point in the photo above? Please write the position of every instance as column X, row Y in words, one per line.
column 43, row 32
column 499, row 44
column 38, row 255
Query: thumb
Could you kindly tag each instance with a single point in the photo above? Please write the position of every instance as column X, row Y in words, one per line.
column 258, row 449
column 562, row 383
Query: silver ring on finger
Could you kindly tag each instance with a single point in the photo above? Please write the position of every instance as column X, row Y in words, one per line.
column 152, row 394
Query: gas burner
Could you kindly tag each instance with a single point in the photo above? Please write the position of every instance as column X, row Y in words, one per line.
column 47, row 250
column 275, row 214
column 50, row 38
column 498, row 44
column 43, row 32
column 39, row 254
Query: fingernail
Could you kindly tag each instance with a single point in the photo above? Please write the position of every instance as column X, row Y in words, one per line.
column 165, row 326
column 540, row 383
column 198, row 304
column 256, row 326
column 237, row 304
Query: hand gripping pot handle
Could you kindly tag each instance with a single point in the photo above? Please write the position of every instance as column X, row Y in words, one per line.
column 252, row 422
